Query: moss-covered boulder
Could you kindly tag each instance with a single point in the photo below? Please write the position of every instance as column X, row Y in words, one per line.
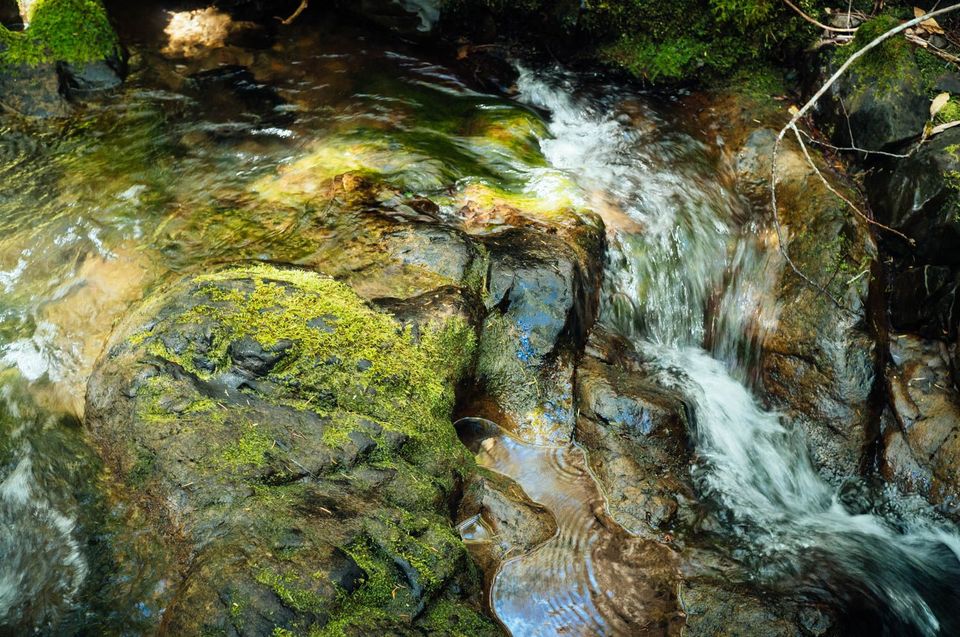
column 67, row 49
column 293, row 448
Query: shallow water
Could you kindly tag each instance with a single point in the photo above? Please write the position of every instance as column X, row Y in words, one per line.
column 592, row 577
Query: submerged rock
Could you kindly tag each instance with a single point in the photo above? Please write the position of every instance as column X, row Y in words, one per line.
column 292, row 447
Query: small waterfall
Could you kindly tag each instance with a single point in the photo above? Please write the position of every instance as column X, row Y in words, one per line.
column 692, row 289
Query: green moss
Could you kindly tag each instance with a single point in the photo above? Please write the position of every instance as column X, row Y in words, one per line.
column 74, row 31
column 292, row 592
column 500, row 367
column 249, row 450
column 447, row 617
column 681, row 40
column 881, row 68
column 429, row 553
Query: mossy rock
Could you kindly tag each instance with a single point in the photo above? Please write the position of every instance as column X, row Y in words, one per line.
column 294, row 447
column 71, row 31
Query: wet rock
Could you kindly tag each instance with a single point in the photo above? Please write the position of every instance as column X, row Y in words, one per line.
column 294, row 461
column 921, row 441
column 410, row 18
column 719, row 610
column 818, row 362
column 918, row 196
column 83, row 80
column 499, row 520
column 542, row 298
column 33, row 91
column 864, row 113
column 636, row 433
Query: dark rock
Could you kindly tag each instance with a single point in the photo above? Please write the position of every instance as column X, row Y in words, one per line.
column 918, row 197
column 409, row 18
column 10, row 14
column 33, row 91
column 252, row 357
column 924, row 300
column 921, row 441
column 862, row 113
column 82, row 80
column 291, row 491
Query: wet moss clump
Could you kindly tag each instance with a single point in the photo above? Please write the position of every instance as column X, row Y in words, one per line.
column 74, row 31
column 880, row 68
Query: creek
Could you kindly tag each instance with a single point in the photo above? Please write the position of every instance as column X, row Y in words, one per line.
column 171, row 176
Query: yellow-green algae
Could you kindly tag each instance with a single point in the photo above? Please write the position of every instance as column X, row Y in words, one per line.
column 74, row 31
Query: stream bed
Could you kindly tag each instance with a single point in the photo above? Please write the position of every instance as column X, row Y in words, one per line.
column 219, row 157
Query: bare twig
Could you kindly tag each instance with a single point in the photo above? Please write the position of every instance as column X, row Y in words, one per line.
column 852, row 149
column 836, row 192
column 802, row 111
column 296, row 14
column 816, row 22
column 940, row 53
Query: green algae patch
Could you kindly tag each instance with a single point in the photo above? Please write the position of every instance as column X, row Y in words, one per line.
column 74, row 31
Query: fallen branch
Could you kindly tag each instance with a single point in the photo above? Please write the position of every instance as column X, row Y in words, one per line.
column 802, row 112
column 296, row 14
column 933, row 50
column 818, row 23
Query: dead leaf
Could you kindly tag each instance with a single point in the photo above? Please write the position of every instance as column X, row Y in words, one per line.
column 930, row 25
column 793, row 110
column 938, row 103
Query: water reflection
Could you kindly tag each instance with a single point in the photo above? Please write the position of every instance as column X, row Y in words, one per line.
column 592, row 577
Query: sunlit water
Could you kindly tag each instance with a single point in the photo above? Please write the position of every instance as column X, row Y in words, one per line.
column 176, row 173
column 696, row 277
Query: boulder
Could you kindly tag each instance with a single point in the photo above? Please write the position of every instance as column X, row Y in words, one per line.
column 819, row 360
column 921, row 438
column 541, row 296
column 291, row 447
column 918, row 196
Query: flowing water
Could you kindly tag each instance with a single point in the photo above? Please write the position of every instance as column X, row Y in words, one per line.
column 188, row 167
column 661, row 291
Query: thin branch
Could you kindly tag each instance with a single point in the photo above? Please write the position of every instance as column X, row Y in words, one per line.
column 853, row 149
column 792, row 125
column 816, row 22
column 940, row 53
column 781, row 244
column 830, row 187
column 296, row 14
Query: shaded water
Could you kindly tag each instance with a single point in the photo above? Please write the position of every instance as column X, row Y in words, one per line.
column 188, row 167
